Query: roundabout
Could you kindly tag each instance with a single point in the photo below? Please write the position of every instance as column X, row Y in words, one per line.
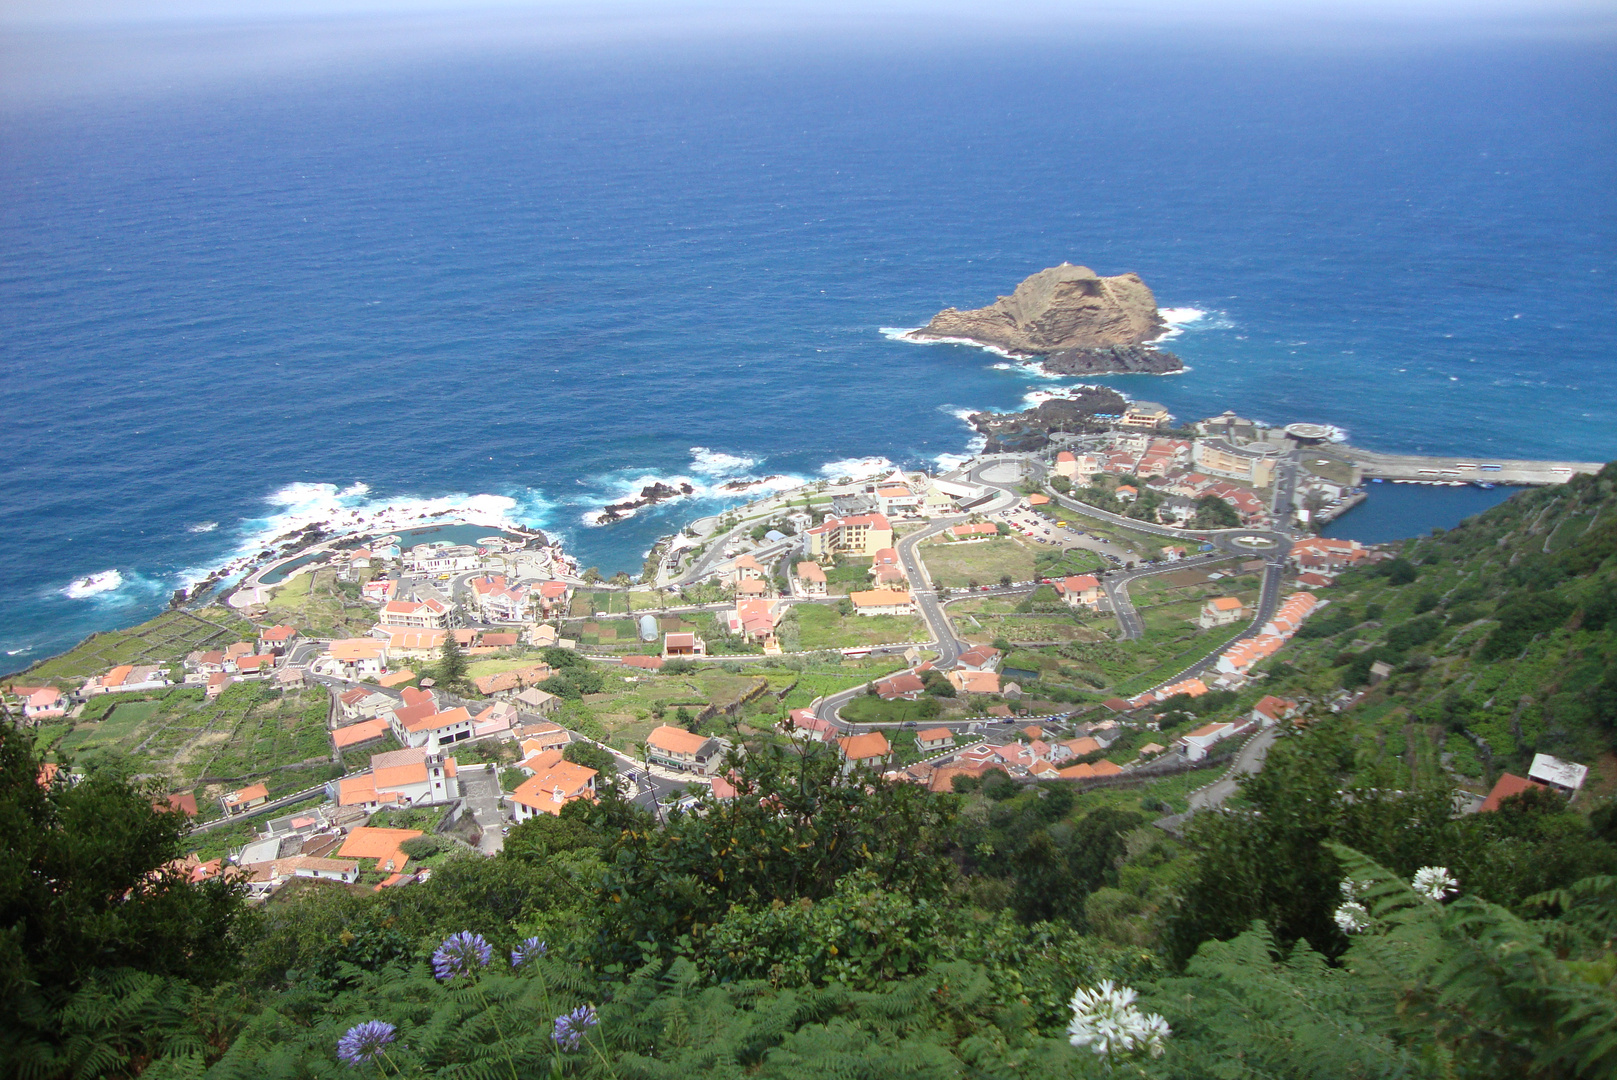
column 1255, row 541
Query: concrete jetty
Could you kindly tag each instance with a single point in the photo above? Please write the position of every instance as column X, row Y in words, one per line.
column 1474, row 470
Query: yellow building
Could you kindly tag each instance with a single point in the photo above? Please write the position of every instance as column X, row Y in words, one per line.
column 863, row 535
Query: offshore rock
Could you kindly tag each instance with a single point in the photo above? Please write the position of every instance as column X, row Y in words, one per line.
column 1116, row 360
column 1063, row 307
column 1085, row 410
column 650, row 495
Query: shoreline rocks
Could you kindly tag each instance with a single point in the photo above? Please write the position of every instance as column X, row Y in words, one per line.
column 1113, row 360
column 650, row 495
column 1029, row 430
column 1080, row 322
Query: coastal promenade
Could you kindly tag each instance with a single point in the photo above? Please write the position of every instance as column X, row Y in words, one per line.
column 1476, row 470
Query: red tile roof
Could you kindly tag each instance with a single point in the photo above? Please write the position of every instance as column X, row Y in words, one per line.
column 1508, row 784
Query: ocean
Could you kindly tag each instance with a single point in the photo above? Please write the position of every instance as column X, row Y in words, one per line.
column 533, row 283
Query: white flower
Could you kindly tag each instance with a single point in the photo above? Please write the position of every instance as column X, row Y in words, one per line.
column 1352, row 917
column 1351, row 890
column 1105, row 1020
column 1434, row 882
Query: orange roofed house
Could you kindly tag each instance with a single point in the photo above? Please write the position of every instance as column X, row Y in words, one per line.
column 974, row 682
column 811, row 578
column 423, row 726
column 555, row 783
column 252, row 795
column 684, row 751
column 1220, row 611
column 1080, row 590
column 1327, row 557
column 411, row 777
column 882, row 602
column 870, row 749
column 358, row 658
column 383, row 846
column 683, row 644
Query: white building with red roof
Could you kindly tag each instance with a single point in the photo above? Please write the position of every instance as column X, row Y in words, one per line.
column 414, row 614
column 555, row 783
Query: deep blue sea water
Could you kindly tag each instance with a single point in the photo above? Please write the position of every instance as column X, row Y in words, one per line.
column 548, row 279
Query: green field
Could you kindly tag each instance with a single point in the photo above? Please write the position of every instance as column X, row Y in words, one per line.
column 1060, row 564
column 250, row 732
column 980, row 629
column 165, row 639
column 956, row 565
column 321, row 605
column 820, row 626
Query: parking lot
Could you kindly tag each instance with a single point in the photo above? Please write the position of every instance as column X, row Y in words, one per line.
column 1042, row 531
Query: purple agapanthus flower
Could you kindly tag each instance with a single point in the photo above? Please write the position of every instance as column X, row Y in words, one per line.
column 531, row 949
column 460, row 954
column 364, row 1043
column 570, row 1027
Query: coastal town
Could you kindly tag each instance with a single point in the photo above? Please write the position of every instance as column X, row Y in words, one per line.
column 361, row 705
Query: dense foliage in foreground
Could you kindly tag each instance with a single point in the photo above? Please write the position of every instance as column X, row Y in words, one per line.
column 822, row 925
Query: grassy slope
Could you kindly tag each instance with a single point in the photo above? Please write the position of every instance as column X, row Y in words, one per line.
column 1507, row 635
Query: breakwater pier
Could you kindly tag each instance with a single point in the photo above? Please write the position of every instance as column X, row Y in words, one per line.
column 1474, row 470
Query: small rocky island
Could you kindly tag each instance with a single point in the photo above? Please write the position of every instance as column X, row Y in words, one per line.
column 1083, row 410
column 1076, row 321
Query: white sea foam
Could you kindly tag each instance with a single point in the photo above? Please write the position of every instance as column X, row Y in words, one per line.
column 202, row 527
column 718, row 463
column 21, row 651
column 351, row 509
column 949, row 462
column 899, row 333
column 94, row 585
column 725, row 482
column 1179, row 316
column 1033, row 369
column 856, row 468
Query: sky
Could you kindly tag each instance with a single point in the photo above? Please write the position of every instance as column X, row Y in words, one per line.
column 55, row 49
column 1322, row 13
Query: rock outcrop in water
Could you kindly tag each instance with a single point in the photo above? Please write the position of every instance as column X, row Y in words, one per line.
column 650, row 495
column 1030, row 430
column 1088, row 324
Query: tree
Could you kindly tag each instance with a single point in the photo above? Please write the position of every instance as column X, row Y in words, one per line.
column 1213, row 512
column 683, row 717
column 89, row 904
column 592, row 575
column 620, row 579
column 797, row 826
column 451, row 662
column 1062, row 484
column 592, row 757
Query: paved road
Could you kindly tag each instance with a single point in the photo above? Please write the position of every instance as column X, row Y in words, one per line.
column 1130, row 624
column 1249, row 760
column 926, row 597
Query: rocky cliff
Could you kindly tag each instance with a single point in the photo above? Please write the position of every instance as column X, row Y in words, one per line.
column 1066, row 308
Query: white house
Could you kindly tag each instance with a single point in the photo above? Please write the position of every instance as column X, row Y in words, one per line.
column 1198, row 742
column 443, row 558
column 423, row 726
